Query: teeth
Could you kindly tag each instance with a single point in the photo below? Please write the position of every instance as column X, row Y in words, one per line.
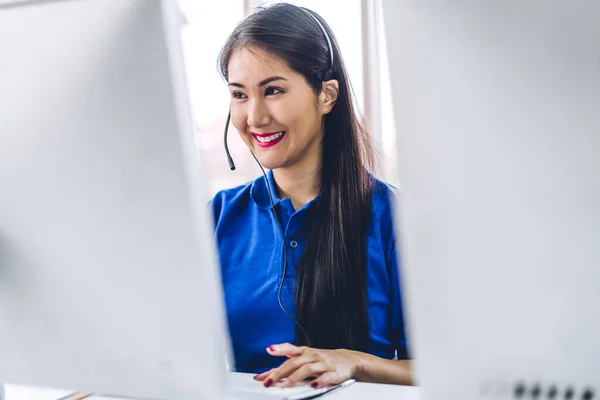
column 268, row 139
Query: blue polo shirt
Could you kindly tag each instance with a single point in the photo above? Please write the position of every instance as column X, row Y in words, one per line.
column 250, row 243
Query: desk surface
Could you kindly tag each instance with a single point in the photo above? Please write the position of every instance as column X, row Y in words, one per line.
column 356, row 391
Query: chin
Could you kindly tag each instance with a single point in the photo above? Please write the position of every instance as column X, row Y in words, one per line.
column 272, row 159
column 270, row 164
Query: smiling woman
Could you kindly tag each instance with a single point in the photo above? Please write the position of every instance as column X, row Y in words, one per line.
column 273, row 105
column 307, row 252
column 209, row 24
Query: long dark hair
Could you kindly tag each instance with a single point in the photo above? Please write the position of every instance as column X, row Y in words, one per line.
column 331, row 298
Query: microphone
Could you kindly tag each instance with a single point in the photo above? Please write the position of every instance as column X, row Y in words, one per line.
column 229, row 159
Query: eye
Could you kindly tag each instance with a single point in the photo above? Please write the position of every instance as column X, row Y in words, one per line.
column 272, row 90
column 238, row 95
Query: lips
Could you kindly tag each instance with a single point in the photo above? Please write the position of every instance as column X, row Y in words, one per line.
column 269, row 139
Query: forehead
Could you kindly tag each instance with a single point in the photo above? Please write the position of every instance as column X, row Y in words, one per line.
column 252, row 65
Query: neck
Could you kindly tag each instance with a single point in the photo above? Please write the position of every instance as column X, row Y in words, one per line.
column 301, row 185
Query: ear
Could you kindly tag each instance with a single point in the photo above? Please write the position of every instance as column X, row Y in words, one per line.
column 328, row 96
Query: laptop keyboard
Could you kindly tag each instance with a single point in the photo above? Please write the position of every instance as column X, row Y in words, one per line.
column 280, row 391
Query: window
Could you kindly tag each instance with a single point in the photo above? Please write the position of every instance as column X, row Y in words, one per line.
column 388, row 126
column 208, row 26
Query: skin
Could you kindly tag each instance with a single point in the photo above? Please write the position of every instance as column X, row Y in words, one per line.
column 287, row 104
column 268, row 96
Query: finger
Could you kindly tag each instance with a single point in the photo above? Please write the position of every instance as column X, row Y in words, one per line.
column 327, row 379
column 285, row 349
column 262, row 376
column 288, row 367
column 307, row 370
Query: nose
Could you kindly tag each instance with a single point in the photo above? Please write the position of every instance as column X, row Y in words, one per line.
column 258, row 114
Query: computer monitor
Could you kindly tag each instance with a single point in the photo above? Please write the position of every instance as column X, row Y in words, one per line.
column 108, row 275
column 498, row 125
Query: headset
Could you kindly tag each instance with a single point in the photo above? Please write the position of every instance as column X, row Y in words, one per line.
column 322, row 75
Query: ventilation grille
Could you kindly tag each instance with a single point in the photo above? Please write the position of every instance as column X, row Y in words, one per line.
column 538, row 391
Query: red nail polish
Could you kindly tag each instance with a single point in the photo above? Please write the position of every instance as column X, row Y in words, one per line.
column 268, row 382
column 314, row 384
column 271, row 348
column 255, row 376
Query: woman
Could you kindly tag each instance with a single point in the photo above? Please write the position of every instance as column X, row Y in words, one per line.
column 314, row 262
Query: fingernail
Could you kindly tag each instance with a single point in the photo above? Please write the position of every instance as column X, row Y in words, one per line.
column 268, row 382
column 271, row 348
column 314, row 384
column 255, row 376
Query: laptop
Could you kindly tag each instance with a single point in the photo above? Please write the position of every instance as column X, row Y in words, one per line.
column 498, row 125
column 109, row 280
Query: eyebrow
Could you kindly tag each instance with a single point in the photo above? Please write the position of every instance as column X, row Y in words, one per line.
column 261, row 83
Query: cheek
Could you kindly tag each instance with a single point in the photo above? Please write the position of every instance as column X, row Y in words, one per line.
column 304, row 121
column 238, row 119
column 289, row 114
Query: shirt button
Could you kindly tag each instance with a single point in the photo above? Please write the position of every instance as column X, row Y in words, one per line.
column 293, row 244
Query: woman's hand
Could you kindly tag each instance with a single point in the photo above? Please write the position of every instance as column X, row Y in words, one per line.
column 328, row 367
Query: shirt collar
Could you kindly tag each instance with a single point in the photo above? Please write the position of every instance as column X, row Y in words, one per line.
column 260, row 193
